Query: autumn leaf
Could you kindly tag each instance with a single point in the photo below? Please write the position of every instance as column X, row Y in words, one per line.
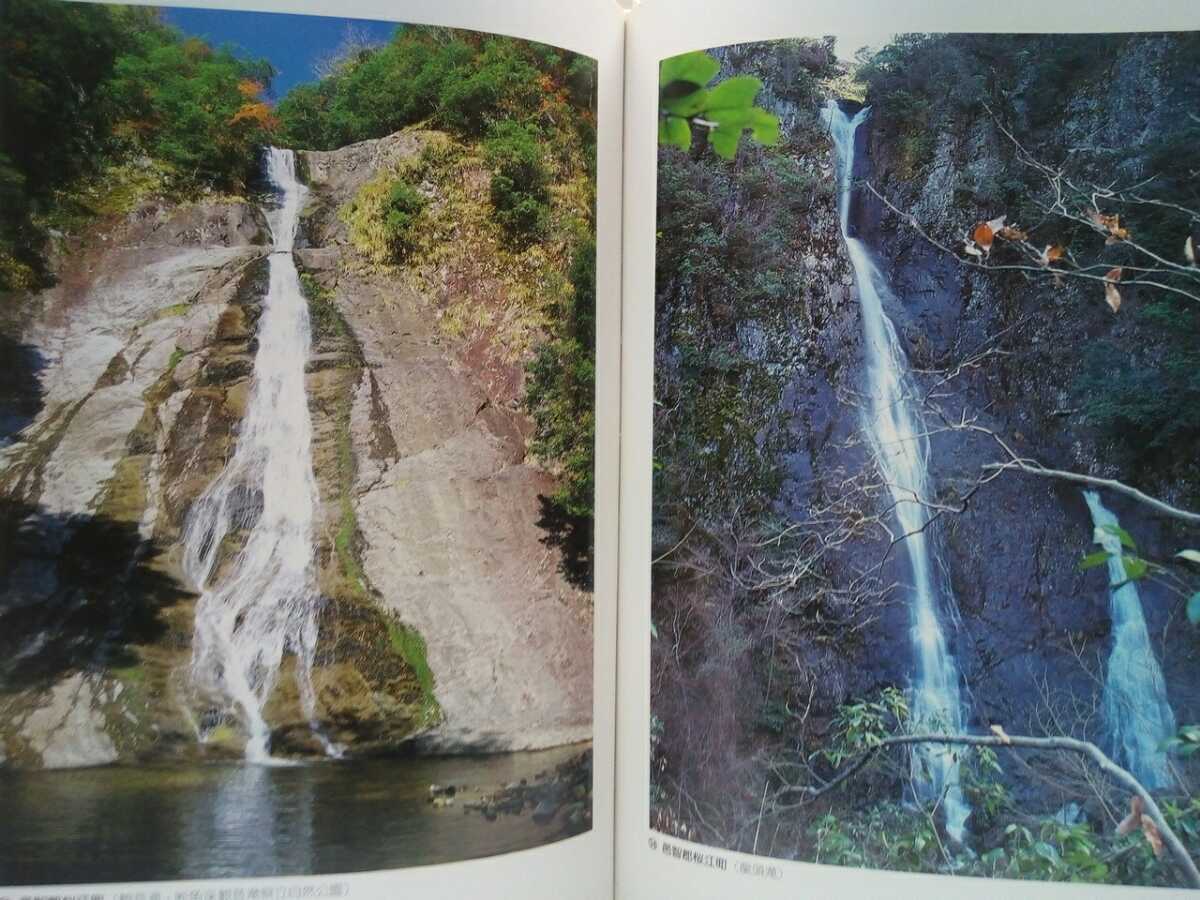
column 1153, row 838
column 1012, row 233
column 984, row 233
column 999, row 731
column 1133, row 821
column 249, row 88
column 1112, row 296
column 1052, row 253
column 1111, row 224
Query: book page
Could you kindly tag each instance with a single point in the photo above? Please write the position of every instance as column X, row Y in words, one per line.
column 308, row 449
column 909, row 498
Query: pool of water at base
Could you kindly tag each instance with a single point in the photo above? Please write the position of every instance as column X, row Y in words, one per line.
column 153, row 823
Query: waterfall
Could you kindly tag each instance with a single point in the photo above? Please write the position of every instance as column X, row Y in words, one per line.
column 262, row 603
column 901, row 451
column 1137, row 716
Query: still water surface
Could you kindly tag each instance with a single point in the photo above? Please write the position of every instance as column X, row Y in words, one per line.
column 214, row 821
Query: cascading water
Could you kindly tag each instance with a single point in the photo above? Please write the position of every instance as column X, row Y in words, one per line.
column 1137, row 717
column 262, row 603
column 902, row 452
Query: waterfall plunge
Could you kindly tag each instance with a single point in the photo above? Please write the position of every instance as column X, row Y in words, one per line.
column 902, row 454
column 1137, row 716
column 262, row 603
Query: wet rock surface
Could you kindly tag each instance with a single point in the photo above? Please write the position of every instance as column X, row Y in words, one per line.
column 124, row 389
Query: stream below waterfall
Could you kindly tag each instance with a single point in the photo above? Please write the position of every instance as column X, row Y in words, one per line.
column 124, row 823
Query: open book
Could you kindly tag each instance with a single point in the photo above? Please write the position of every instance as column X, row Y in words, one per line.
column 547, row 450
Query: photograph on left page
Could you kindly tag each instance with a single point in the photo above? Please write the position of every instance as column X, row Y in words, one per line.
column 297, row 330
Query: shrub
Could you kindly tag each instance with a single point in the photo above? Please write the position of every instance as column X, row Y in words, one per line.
column 383, row 216
column 520, row 196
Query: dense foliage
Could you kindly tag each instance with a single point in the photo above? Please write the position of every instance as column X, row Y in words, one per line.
column 560, row 392
column 88, row 88
column 520, row 193
column 461, row 81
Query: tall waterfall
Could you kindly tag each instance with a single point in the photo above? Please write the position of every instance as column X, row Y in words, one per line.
column 262, row 602
column 1137, row 716
column 901, row 451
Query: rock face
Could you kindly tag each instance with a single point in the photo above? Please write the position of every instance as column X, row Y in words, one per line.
column 448, row 505
column 444, row 615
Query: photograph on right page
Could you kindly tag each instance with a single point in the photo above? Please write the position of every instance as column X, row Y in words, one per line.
column 926, row 524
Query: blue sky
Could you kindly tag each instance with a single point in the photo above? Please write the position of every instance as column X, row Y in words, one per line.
column 292, row 43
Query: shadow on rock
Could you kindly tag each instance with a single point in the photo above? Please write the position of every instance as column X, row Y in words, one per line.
column 20, row 387
column 74, row 593
column 572, row 537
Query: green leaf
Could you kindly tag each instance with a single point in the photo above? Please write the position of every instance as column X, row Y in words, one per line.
column 1193, row 608
column 697, row 67
column 1189, row 555
column 686, row 105
column 675, row 132
column 1135, row 567
column 765, row 127
column 734, row 93
column 1099, row 558
column 724, row 140
column 1116, row 530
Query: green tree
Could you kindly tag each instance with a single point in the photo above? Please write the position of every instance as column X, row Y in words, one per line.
column 520, row 191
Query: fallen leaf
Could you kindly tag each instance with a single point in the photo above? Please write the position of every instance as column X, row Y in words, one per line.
column 1134, row 819
column 1150, row 830
column 1012, row 233
column 998, row 730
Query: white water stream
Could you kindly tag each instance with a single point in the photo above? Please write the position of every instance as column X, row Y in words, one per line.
column 261, row 604
column 901, row 451
column 1137, row 716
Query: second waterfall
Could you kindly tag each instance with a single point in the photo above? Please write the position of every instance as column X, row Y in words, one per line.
column 260, row 603
column 901, row 451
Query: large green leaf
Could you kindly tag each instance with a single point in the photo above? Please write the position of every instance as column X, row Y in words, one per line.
column 675, row 132
column 734, row 93
column 724, row 140
column 686, row 105
column 697, row 67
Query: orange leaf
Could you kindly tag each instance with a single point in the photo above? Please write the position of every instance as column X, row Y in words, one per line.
column 1150, row 830
column 1134, row 819
column 1114, row 275
column 249, row 88
column 1052, row 253
column 1111, row 224
column 1012, row 233
column 983, row 236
